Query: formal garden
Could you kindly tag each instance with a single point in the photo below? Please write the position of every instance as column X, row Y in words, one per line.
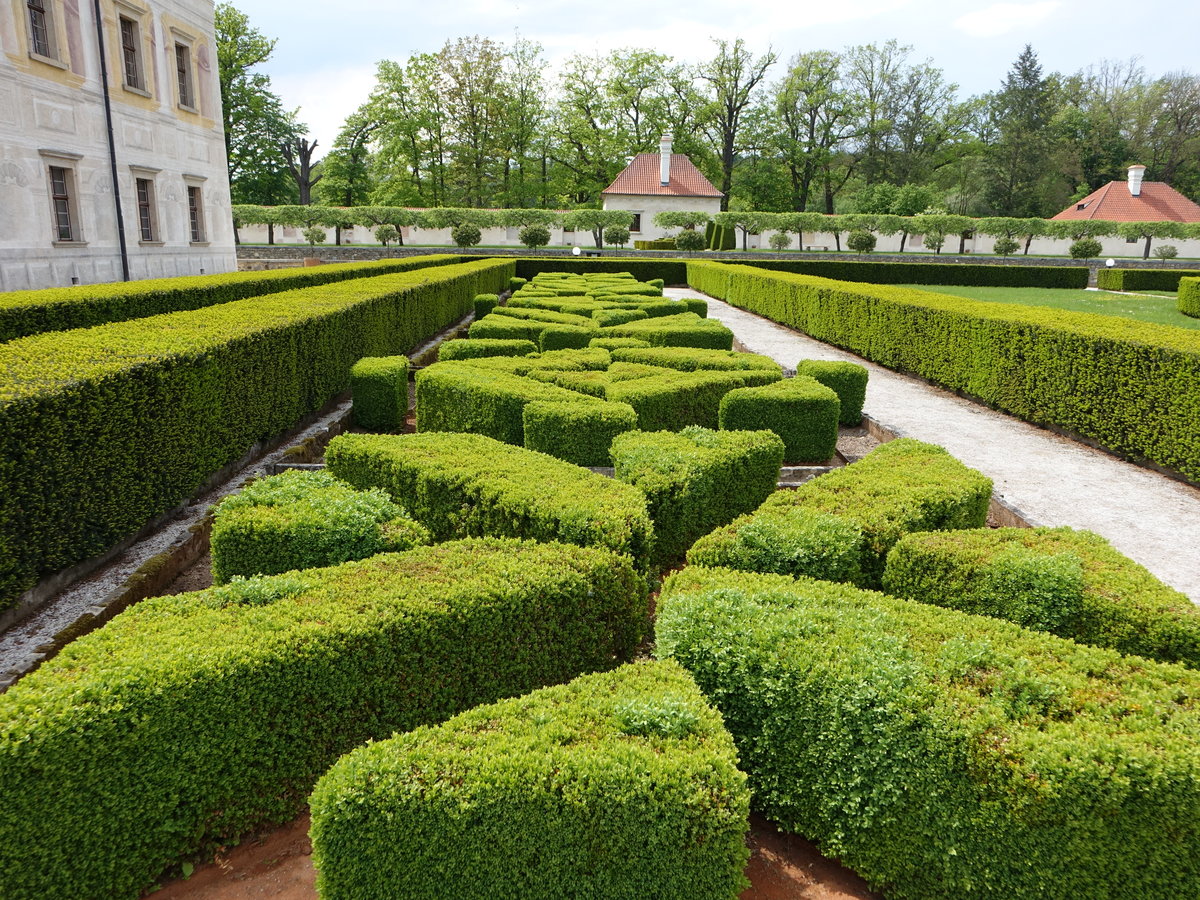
column 547, row 618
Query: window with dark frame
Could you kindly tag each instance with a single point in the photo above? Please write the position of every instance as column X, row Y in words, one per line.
column 195, row 214
column 636, row 224
column 39, row 29
column 60, row 196
column 145, row 207
column 183, row 71
column 131, row 54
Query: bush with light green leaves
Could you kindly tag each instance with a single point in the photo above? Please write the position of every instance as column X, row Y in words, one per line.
column 802, row 411
column 379, row 388
column 848, row 380
column 579, row 433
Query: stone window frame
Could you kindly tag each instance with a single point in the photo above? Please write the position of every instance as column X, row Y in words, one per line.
column 135, row 15
column 197, row 221
column 51, row 16
column 66, row 162
column 186, row 95
column 149, row 206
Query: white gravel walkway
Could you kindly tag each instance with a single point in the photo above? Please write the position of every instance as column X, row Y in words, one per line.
column 1051, row 479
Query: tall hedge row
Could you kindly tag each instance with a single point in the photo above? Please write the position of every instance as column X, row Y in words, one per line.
column 1118, row 279
column 1133, row 387
column 945, row 755
column 1189, row 297
column 101, row 429
column 24, row 313
column 933, row 273
column 671, row 271
column 189, row 720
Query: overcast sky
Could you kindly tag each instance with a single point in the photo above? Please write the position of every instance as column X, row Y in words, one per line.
column 325, row 58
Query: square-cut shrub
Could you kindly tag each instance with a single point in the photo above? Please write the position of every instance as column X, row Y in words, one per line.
column 901, row 487
column 696, row 480
column 803, row 412
column 477, row 348
column 672, row 401
column 546, row 315
column 848, row 380
column 579, row 433
column 379, row 388
column 594, row 384
column 564, row 337
column 681, row 330
column 1070, row 583
column 305, row 520
column 945, row 755
column 485, row 303
column 618, row 785
column 608, row 317
column 516, row 283
column 1189, row 297
column 190, row 720
column 616, row 343
column 505, row 328
column 692, row 359
column 460, row 485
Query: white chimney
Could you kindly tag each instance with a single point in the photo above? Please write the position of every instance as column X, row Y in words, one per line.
column 1135, row 180
column 664, row 153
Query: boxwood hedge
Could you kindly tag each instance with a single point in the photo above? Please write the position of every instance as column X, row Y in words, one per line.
column 189, row 720
column 1071, row 583
column 1118, row 279
column 1189, row 297
column 460, row 485
column 618, row 785
column 690, row 359
column 941, row 754
column 103, row 428
column 681, row 330
column 379, row 388
column 305, row 520
column 933, row 273
column 579, row 433
column 848, row 380
column 467, row 348
column 672, row 401
column 696, row 480
column 1133, row 387
column 801, row 410
column 671, row 271
column 24, row 313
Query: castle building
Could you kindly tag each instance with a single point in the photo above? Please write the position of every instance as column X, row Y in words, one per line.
column 112, row 151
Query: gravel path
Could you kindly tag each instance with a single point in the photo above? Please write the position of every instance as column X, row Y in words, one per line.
column 1053, row 480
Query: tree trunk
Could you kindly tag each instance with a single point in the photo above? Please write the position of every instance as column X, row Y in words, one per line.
column 1146, row 251
column 337, row 235
column 1028, row 241
column 903, row 240
column 271, row 234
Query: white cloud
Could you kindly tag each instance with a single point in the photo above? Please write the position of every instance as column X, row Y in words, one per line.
column 325, row 97
column 1001, row 18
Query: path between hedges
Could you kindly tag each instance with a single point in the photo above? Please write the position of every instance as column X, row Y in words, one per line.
column 1053, row 480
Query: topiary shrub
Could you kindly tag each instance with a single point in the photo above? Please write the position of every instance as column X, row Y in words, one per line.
column 674, row 400
column 780, row 241
column 617, row 343
column 564, row 337
column 304, row 520
column 848, row 380
column 387, row 234
column 1188, row 302
column 466, row 235
column 534, row 236
column 480, row 348
column 379, row 388
column 689, row 241
column 608, row 317
column 1166, row 251
column 314, row 235
column 1085, row 248
column 1005, row 247
column 617, row 235
column 801, row 410
column 516, row 283
column 623, row 784
column 579, row 433
column 485, row 303
column 861, row 241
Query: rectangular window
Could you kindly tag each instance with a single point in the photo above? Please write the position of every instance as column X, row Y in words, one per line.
column 145, row 208
column 131, row 54
column 60, row 197
column 183, row 73
column 195, row 214
column 636, row 225
column 41, row 30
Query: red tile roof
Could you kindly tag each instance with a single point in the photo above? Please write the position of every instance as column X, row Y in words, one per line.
column 1159, row 202
column 642, row 177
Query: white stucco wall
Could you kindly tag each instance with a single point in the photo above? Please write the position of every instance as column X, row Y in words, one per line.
column 54, row 115
column 649, row 206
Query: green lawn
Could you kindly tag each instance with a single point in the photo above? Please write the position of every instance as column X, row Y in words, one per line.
column 1160, row 310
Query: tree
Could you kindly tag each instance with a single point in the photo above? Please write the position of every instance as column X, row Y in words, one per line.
column 676, row 218
column 595, row 221
column 256, row 124
column 299, row 155
column 346, row 179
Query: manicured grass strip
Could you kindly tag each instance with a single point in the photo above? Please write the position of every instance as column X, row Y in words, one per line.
column 945, row 755
column 618, row 785
column 189, row 720
column 1132, row 387
column 1070, row 583
column 103, row 428
column 460, row 485
column 24, row 313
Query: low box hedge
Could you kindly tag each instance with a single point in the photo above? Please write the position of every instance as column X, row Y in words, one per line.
column 696, row 480
column 305, row 520
column 564, row 337
column 102, row 429
column 579, row 433
column 673, row 401
column 460, row 485
column 1118, row 279
column 478, row 348
column 801, row 410
column 1140, row 397
column 485, row 303
column 900, row 487
column 1070, row 583
column 379, row 388
column 848, row 380
column 546, row 315
column 24, row 313
column 681, row 330
column 618, row 785
column 190, row 720
column 691, row 359
column 1189, row 297
column 608, row 317
column 616, row 343
column 940, row 754
column 589, row 359
column 671, row 271
column 933, row 273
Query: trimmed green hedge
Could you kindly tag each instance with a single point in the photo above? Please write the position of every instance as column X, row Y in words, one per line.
column 305, row 520
column 682, row 330
column 696, row 480
column 101, row 429
column 900, row 487
column 578, row 433
column 24, row 313
column 1133, row 387
column 608, row 317
column 189, row 720
column 671, row 271
column 460, row 485
column 485, row 303
column 944, row 755
column 614, row 786
column 933, row 273
column 691, row 359
column 1118, row 279
column 803, row 412
column 615, row 343
column 379, row 388
column 477, row 348
column 1189, row 297
column 564, row 337
column 1070, row 583
column 672, row 401
column 848, row 380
